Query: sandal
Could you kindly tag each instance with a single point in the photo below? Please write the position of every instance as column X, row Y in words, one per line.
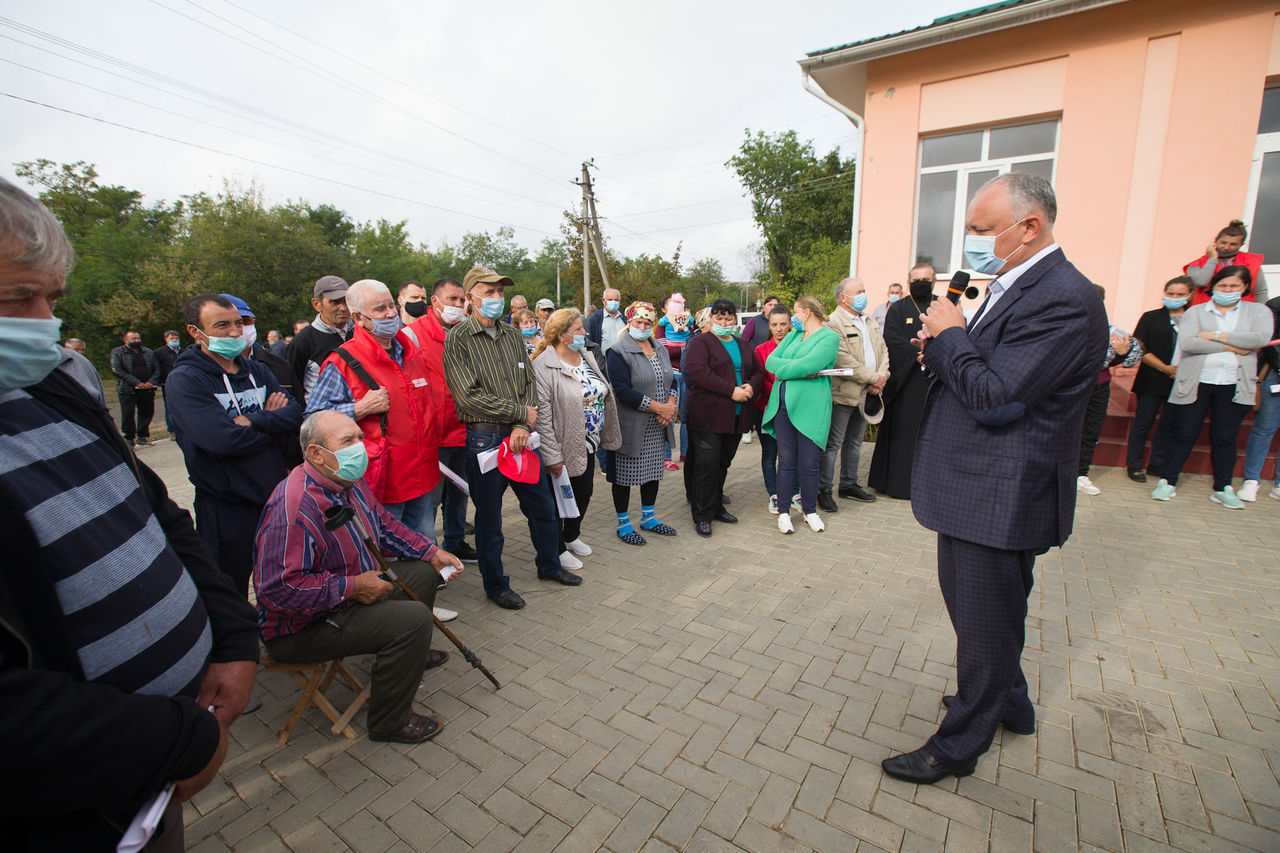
column 659, row 528
column 631, row 538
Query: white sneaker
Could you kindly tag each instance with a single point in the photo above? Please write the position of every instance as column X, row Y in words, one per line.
column 577, row 546
column 444, row 614
column 1086, row 486
column 773, row 504
column 1249, row 491
column 746, row 439
column 784, row 523
column 815, row 522
column 1274, row 493
column 568, row 561
column 795, row 503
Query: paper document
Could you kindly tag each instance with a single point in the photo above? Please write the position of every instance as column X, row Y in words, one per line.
column 145, row 822
column 455, row 479
column 836, row 371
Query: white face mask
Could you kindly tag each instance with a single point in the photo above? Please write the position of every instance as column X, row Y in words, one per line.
column 250, row 335
column 452, row 315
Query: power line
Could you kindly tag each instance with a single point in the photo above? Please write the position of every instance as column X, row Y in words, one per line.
column 267, row 164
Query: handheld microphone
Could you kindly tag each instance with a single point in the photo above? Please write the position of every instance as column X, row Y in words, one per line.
column 956, row 287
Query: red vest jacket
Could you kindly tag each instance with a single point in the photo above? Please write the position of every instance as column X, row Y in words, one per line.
column 1244, row 259
column 429, row 334
column 403, row 462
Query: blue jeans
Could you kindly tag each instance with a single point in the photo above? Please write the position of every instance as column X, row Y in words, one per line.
column 1265, row 423
column 798, row 462
column 536, row 503
column 414, row 514
column 451, row 501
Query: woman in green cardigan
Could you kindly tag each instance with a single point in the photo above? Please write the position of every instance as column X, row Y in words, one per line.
column 799, row 410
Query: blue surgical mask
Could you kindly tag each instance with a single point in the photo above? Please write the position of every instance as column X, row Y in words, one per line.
column 1174, row 303
column 579, row 341
column 353, row 461
column 860, row 303
column 1226, row 300
column 28, row 350
column 611, row 306
column 796, row 324
column 529, row 332
column 491, row 309
column 639, row 334
column 980, row 255
column 722, row 331
column 174, row 344
column 387, row 328
column 894, row 297
column 226, row 347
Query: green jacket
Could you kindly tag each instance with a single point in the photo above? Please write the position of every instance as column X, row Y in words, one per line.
column 808, row 400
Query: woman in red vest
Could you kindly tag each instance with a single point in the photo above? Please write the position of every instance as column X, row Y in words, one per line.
column 1225, row 252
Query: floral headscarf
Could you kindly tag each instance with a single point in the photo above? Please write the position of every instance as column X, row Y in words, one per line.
column 643, row 310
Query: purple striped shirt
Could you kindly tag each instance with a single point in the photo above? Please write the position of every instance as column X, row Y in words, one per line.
column 300, row 569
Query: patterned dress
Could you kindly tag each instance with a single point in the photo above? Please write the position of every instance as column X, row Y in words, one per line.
column 647, row 467
column 593, row 394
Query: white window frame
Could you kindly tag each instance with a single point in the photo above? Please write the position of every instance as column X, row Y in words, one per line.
column 1267, row 143
column 963, row 170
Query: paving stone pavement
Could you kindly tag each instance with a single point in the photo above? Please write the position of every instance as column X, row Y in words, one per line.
column 738, row 693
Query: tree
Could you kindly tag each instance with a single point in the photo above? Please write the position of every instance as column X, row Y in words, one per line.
column 797, row 198
column 703, row 281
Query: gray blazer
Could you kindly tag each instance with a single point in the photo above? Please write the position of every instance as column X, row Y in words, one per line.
column 633, row 379
column 561, row 425
column 1253, row 329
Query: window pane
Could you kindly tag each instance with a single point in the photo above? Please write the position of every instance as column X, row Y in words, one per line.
column 1043, row 168
column 1270, row 121
column 1022, row 139
column 976, row 180
column 1264, row 234
column 936, row 220
column 953, row 148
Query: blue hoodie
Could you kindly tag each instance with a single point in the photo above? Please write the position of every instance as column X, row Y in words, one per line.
column 228, row 462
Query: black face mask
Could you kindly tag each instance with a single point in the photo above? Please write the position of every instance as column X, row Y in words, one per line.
column 417, row 309
column 921, row 289
column 135, row 345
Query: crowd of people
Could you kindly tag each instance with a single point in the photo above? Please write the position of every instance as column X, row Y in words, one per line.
column 391, row 407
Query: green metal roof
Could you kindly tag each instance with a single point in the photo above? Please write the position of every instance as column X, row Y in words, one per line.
column 944, row 19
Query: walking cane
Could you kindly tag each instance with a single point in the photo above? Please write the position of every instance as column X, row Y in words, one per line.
column 337, row 516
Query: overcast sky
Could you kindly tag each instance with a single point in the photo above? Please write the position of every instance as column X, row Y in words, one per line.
column 455, row 116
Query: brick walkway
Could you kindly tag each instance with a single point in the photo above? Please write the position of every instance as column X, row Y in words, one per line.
column 739, row 693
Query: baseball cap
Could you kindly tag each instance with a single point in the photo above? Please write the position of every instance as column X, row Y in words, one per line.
column 545, row 303
column 522, row 467
column 241, row 305
column 331, row 286
column 486, row 275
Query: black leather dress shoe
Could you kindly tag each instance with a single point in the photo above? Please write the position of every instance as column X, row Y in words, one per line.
column 727, row 517
column 1008, row 726
column 921, row 767
column 563, row 576
column 417, row 730
column 702, row 528
column 1137, row 475
column 826, row 503
column 508, row 599
column 858, row 494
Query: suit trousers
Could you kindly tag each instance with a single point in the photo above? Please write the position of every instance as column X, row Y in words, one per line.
column 137, row 408
column 451, row 501
column 713, row 454
column 985, row 590
column 848, row 426
column 396, row 630
column 1148, row 415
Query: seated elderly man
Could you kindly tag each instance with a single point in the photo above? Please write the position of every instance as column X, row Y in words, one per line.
column 320, row 593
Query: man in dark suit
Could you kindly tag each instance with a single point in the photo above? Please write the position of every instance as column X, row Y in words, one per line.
column 1002, row 424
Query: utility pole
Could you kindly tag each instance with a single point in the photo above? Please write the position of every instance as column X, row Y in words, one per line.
column 592, row 241
column 558, row 305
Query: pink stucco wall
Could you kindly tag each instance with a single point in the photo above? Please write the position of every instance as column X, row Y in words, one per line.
column 1159, row 102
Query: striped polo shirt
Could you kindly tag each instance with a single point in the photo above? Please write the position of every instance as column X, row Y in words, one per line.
column 131, row 613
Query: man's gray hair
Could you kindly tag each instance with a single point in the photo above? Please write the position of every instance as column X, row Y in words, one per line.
column 42, row 244
column 364, row 291
column 308, row 434
column 839, row 289
column 1028, row 193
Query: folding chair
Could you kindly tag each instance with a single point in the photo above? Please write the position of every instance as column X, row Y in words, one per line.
column 314, row 679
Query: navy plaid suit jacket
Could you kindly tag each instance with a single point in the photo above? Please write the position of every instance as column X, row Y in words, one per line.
column 998, row 447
